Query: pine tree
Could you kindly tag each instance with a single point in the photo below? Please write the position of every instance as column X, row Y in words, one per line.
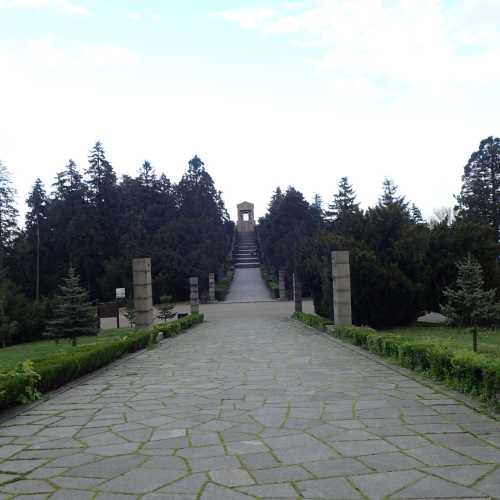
column 479, row 199
column 165, row 308
column 389, row 195
column 8, row 214
column 74, row 316
column 344, row 202
column 469, row 305
column 416, row 214
column 36, row 226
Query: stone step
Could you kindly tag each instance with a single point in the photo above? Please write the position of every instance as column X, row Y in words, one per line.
column 247, row 266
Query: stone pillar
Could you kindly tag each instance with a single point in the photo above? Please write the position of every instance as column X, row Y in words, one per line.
column 297, row 293
column 143, row 293
column 194, row 295
column 211, row 287
column 341, row 273
column 281, row 283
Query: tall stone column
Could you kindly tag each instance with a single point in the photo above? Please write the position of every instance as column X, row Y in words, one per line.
column 341, row 273
column 194, row 295
column 143, row 293
column 211, row 287
column 281, row 283
column 297, row 293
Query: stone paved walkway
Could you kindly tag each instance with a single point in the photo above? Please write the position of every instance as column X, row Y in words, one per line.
column 248, row 286
column 249, row 408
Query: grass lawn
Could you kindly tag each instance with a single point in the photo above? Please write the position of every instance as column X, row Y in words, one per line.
column 454, row 338
column 10, row 356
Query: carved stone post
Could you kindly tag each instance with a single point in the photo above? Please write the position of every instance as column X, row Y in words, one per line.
column 143, row 293
column 281, row 283
column 297, row 293
column 194, row 295
column 211, row 287
column 341, row 273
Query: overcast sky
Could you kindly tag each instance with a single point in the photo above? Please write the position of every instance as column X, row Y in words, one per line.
column 266, row 92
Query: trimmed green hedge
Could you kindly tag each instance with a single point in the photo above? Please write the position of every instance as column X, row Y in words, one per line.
column 271, row 283
column 466, row 371
column 173, row 328
column 222, row 286
column 57, row 370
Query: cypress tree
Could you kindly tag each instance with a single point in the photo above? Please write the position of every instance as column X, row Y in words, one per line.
column 8, row 214
column 74, row 316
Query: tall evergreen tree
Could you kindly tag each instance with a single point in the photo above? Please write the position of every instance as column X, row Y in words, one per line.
column 8, row 214
column 74, row 316
column 69, row 221
column 104, row 227
column 479, row 199
column 389, row 195
column 344, row 202
column 37, row 228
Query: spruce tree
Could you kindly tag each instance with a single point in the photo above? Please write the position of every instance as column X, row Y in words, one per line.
column 74, row 316
column 469, row 305
column 389, row 195
column 8, row 214
column 37, row 227
column 344, row 202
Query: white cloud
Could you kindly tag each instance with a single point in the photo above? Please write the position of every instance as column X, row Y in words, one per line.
column 135, row 17
column 64, row 6
column 416, row 46
column 47, row 53
column 249, row 17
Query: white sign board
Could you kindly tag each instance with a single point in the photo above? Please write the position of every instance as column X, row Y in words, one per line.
column 120, row 293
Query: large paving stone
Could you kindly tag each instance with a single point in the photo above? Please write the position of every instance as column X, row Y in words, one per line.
column 249, row 404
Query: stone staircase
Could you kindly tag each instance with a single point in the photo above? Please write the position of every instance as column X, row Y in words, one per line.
column 245, row 255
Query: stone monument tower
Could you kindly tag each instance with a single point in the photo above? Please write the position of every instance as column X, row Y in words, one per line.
column 246, row 221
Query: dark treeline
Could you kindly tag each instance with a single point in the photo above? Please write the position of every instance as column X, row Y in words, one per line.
column 400, row 264
column 97, row 223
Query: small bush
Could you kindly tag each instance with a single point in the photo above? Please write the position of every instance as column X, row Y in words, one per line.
column 271, row 283
column 173, row 328
column 317, row 322
column 465, row 371
column 223, row 285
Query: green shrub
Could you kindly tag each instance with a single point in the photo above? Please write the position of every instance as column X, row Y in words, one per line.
column 222, row 286
column 23, row 383
column 466, row 371
column 314, row 321
column 173, row 328
column 271, row 283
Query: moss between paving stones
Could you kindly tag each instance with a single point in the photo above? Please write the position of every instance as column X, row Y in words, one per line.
column 59, row 369
column 466, row 371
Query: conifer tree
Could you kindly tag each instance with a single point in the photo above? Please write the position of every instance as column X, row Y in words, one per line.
column 8, row 214
column 389, row 195
column 469, row 305
column 479, row 199
column 74, row 316
column 344, row 202
column 36, row 227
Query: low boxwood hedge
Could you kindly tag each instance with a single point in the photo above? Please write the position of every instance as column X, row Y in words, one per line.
column 173, row 328
column 222, row 286
column 466, row 371
column 271, row 283
column 59, row 369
